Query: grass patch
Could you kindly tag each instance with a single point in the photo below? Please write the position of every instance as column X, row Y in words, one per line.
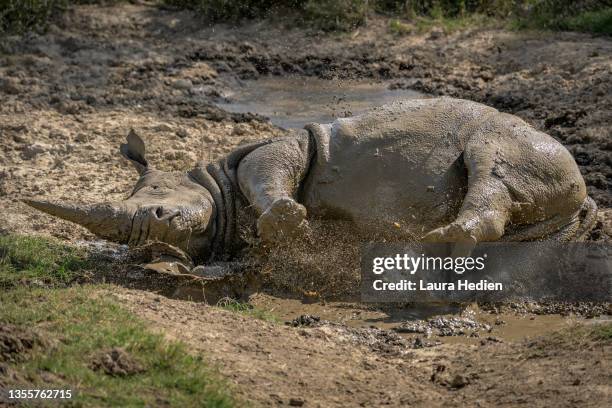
column 17, row 16
column 397, row 27
column 247, row 309
column 79, row 331
column 328, row 15
column 28, row 259
column 599, row 22
column 456, row 23
column 80, row 326
column 602, row 331
column 594, row 16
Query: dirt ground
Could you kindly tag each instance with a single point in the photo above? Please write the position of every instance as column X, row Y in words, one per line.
column 332, row 365
column 69, row 98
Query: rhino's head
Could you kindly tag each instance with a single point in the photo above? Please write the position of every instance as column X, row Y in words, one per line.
column 170, row 207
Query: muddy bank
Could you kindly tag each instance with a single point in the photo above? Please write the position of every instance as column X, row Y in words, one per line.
column 275, row 364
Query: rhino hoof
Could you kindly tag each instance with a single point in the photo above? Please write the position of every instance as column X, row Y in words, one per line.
column 450, row 233
column 283, row 219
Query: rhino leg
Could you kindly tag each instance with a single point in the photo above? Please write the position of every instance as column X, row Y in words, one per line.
column 486, row 208
column 270, row 178
column 482, row 218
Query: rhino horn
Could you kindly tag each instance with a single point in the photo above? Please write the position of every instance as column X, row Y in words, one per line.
column 109, row 220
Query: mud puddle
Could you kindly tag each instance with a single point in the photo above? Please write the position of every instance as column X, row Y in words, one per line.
column 291, row 102
column 447, row 324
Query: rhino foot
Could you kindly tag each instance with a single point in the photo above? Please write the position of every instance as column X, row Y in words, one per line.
column 283, row 219
column 453, row 232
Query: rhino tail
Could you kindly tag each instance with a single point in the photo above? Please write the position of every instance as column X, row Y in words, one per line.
column 588, row 218
column 559, row 228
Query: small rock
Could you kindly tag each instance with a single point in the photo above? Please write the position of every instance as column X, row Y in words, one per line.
column 116, row 362
column 296, row 402
column 163, row 127
column 81, row 138
column 459, row 381
column 19, row 139
column 240, row 129
column 58, row 134
column 33, row 150
column 436, row 33
column 183, row 84
column 304, row 320
column 9, row 86
column 182, row 133
column 16, row 342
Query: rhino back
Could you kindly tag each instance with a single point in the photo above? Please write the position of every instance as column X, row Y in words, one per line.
column 398, row 164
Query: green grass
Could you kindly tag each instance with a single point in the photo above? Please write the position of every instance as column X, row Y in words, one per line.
column 397, row 27
column 76, row 324
column 593, row 16
column 422, row 24
column 602, row 331
column 31, row 260
column 80, row 325
column 17, row 16
column 247, row 309
column 597, row 22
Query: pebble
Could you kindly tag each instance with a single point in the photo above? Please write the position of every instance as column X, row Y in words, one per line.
column 33, row 150
column 240, row 129
column 436, row 33
column 182, row 133
column 183, row 84
column 163, row 127
column 304, row 320
column 9, row 86
column 459, row 381
column 296, row 402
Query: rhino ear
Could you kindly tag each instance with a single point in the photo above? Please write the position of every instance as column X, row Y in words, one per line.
column 134, row 151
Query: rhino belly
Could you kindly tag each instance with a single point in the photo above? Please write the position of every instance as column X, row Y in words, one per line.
column 384, row 185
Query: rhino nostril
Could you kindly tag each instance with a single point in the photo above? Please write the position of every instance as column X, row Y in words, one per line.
column 159, row 212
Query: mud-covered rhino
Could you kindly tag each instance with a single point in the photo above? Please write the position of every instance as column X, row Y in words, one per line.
column 439, row 170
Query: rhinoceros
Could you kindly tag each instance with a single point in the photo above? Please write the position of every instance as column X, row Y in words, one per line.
column 437, row 170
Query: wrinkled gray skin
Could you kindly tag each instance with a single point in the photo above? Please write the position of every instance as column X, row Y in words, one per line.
column 439, row 170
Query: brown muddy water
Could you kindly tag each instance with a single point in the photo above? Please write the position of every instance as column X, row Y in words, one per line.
column 504, row 326
column 291, row 102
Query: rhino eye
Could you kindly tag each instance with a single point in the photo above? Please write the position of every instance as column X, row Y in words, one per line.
column 154, row 187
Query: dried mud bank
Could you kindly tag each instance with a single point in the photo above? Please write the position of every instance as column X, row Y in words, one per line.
column 373, row 367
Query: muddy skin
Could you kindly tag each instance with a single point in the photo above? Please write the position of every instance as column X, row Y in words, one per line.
column 71, row 96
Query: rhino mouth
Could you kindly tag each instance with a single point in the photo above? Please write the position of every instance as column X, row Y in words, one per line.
column 176, row 226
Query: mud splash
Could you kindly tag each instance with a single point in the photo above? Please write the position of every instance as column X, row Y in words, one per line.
column 291, row 102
